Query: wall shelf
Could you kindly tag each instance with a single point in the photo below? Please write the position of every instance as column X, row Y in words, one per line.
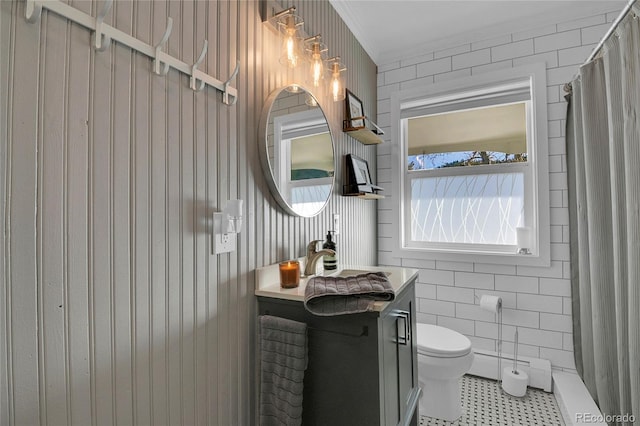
column 369, row 134
column 365, row 196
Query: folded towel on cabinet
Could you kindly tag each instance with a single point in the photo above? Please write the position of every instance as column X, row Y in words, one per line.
column 346, row 295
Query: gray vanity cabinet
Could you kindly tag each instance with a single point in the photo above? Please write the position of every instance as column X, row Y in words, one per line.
column 362, row 368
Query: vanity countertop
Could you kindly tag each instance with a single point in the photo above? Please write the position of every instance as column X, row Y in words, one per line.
column 268, row 281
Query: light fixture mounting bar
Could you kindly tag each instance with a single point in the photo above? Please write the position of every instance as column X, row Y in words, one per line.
column 316, row 37
column 287, row 11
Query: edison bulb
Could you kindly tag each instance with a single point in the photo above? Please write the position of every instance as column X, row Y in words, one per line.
column 317, row 70
column 291, row 43
column 336, row 85
column 335, row 88
column 290, row 48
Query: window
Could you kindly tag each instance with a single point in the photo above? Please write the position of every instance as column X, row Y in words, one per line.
column 472, row 165
column 303, row 160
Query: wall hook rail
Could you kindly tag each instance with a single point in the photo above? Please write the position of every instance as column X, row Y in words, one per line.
column 32, row 11
column 101, row 41
column 160, row 67
column 225, row 92
column 103, row 34
column 194, row 69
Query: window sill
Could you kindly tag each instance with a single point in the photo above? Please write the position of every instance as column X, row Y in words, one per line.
column 540, row 260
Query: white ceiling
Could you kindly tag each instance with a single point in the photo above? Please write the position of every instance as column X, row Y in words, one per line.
column 396, row 29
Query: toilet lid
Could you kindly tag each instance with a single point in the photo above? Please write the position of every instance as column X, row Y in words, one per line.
column 441, row 342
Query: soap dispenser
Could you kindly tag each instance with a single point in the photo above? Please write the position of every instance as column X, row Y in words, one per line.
column 330, row 262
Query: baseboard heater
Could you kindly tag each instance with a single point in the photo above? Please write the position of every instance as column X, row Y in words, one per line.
column 485, row 364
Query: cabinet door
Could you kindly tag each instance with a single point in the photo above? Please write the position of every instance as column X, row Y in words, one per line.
column 341, row 383
column 400, row 361
column 407, row 360
column 390, row 369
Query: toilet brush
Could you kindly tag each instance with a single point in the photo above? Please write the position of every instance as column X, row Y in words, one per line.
column 515, row 354
column 515, row 382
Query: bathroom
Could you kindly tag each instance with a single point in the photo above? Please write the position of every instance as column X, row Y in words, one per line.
column 115, row 308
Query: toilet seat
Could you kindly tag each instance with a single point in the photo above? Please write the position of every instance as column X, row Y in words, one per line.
column 441, row 342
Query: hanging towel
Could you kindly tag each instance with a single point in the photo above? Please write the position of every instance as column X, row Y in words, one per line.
column 327, row 296
column 283, row 360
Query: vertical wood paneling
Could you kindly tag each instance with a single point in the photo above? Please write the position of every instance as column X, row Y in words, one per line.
column 229, row 58
column 100, row 124
column 212, row 327
column 225, row 359
column 6, row 409
column 243, row 323
column 21, row 175
column 141, row 104
column 188, row 50
column 116, row 310
column 50, row 224
column 202, row 249
column 174, row 225
column 76, row 223
column 121, row 171
column 159, row 361
column 90, row 246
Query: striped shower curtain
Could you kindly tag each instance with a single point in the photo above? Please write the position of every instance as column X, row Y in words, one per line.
column 603, row 161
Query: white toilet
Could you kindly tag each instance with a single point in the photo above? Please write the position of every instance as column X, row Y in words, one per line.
column 444, row 356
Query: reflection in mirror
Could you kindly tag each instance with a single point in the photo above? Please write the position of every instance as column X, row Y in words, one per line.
column 297, row 152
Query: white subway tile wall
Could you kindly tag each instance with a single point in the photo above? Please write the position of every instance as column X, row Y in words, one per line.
column 536, row 300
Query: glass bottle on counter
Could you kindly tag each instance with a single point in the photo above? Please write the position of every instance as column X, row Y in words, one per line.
column 330, row 262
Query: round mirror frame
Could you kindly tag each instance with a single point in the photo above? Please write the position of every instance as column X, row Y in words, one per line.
column 263, row 144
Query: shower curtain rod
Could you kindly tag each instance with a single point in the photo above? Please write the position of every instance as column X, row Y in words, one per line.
column 594, row 52
column 615, row 24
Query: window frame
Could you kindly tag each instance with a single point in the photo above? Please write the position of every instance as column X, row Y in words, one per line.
column 537, row 214
column 524, row 168
column 291, row 126
column 286, row 128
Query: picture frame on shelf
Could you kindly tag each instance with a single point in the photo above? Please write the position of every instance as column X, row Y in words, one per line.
column 358, row 176
column 360, row 170
column 354, row 110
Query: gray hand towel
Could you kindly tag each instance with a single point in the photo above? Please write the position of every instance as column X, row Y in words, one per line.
column 283, row 360
column 346, row 295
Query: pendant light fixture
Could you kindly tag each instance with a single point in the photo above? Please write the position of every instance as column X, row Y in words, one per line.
column 317, row 52
column 336, row 84
column 288, row 25
column 299, row 52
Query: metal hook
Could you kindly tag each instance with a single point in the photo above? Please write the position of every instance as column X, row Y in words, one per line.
column 32, row 11
column 225, row 93
column 157, row 62
column 194, row 68
column 101, row 41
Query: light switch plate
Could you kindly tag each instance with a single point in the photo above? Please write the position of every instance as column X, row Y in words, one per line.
column 336, row 223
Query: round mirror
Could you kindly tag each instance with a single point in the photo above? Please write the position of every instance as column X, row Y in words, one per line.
column 297, row 151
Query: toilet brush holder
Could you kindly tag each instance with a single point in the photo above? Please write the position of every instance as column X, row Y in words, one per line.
column 514, row 382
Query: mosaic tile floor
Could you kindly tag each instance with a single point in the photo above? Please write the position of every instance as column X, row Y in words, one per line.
column 484, row 403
